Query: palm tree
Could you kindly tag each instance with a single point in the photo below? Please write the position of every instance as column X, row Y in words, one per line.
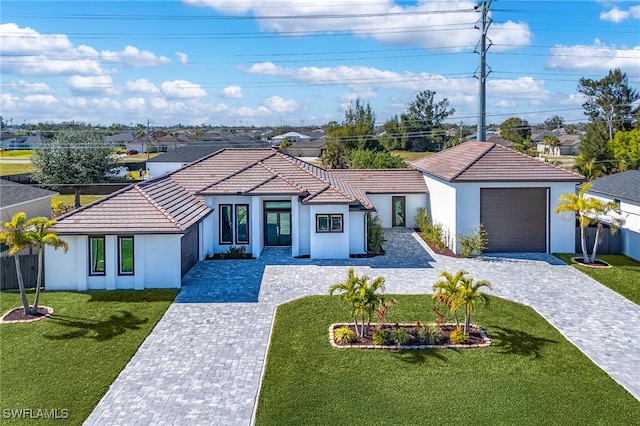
column 446, row 291
column 361, row 296
column 468, row 295
column 590, row 211
column 15, row 238
column 38, row 232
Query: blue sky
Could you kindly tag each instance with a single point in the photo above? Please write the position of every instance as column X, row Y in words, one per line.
column 275, row 62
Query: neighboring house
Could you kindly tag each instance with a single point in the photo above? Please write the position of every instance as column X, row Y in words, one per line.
column 183, row 155
column 17, row 197
column 568, row 145
column 308, row 148
column 293, row 137
column 151, row 233
column 120, row 139
column 623, row 189
column 511, row 194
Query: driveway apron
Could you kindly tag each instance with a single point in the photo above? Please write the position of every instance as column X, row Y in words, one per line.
column 203, row 362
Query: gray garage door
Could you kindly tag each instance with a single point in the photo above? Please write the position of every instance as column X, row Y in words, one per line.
column 189, row 249
column 515, row 219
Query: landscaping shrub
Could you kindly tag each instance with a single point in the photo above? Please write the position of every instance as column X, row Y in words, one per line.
column 344, row 335
column 400, row 336
column 430, row 334
column 379, row 337
column 458, row 336
column 475, row 243
column 375, row 234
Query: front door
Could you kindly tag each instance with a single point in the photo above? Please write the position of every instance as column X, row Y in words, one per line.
column 398, row 212
column 277, row 228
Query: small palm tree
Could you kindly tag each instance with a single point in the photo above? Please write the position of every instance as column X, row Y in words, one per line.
column 590, row 211
column 38, row 232
column 468, row 296
column 446, row 290
column 14, row 236
column 361, row 296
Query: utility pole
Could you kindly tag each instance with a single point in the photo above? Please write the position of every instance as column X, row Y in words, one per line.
column 485, row 22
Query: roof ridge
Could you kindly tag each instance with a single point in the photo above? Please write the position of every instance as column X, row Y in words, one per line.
column 490, row 146
column 157, row 206
column 237, row 172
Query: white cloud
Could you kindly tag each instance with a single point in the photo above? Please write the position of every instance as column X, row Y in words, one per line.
column 616, row 15
column 133, row 57
column 232, row 92
column 280, row 105
column 29, row 87
column 182, row 89
column 183, row 58
column 91, row 84
column 142, row 85
column 430, row 24
column 597, row 56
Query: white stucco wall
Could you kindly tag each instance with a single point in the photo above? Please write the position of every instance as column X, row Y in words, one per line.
column 357, row 232
column 442, row 204
column 384, row 207
column 33, row 208
column 158, row 169
column 156, row 264
column 330, row 245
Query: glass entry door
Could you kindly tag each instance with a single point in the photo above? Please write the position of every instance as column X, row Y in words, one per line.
column 398, row 218
column 277, row 228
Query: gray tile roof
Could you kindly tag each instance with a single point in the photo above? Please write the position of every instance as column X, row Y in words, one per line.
column 624, row 185
column 13, row 193
column 490, row 162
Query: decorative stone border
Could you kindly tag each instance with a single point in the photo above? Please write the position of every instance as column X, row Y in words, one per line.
column 577, row 261
column 38, row 318
column 486, row 341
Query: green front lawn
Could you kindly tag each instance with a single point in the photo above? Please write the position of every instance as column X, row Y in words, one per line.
column 623, row 278
column 69, row 361
column 530, row 375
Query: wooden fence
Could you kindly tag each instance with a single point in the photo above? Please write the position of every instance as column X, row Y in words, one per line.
column 611, row 243
column 28, row 266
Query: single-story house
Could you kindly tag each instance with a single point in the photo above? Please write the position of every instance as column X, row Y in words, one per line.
column 151, row 233
column 511, row 194
column 308, row 148
column 178, row 158
column 17, row 197
column 623, row 189
column 293, row 137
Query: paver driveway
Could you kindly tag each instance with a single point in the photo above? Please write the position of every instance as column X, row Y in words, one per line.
column 203, row 362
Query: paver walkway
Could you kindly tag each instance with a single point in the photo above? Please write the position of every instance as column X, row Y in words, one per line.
column 202, row 364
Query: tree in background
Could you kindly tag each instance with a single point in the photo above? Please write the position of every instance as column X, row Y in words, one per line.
column 516, row 130
column 555, row 122
column 625, row 148
column 424, row 121
column 594, row 147
column 610, row 100
column 75, row 158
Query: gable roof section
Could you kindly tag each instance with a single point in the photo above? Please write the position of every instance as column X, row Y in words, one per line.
column 273, row 172
column 483, row 162
column 383, row 181
column 14, row 193
column 160, row 206
column 624, row 185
